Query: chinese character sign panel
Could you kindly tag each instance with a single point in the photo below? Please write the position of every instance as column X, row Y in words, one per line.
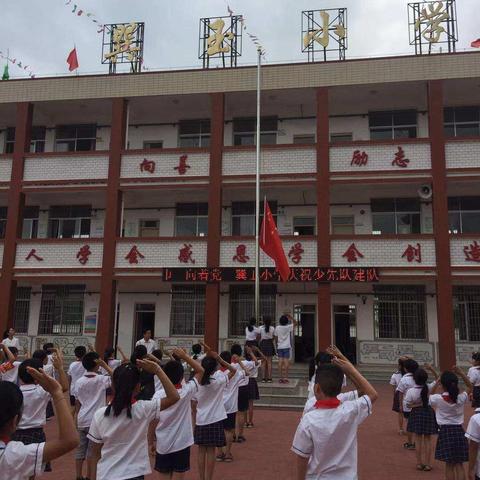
column 324, row 34
column 220, row 41
column 123, row 44
column 433, row 26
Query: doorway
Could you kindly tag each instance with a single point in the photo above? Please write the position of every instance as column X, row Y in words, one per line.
column 144, row 320
column 345, row 321
column 304, row 332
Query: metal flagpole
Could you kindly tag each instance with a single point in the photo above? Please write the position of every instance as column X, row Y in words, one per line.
column 257, row 193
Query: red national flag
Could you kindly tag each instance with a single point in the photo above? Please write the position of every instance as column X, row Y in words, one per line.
column 476, row 43
column 72, row 60
column 271, row 244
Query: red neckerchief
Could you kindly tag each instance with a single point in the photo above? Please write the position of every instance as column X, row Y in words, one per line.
column 448, row 399
column 4, row 439
column 235, row 361
column 329, row 403
column 178, row 386
column 223, row 369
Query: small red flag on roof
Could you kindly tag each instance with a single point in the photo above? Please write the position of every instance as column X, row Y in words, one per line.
column 72, row 60
column 476, row 43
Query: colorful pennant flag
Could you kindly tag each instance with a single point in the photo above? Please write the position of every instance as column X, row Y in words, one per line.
column 18, row 63
column 476, row 43
column 6, row 75
column 72, row 60
column 252, row 37
column 76, row 10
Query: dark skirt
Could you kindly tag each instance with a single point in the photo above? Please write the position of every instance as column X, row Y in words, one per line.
column 243, row 397
column 29, row 436
column 251, row 343
column 253, row 393
column 422, row 421
column 476, row 397
column 452, row 445
column 396, row 401
column 212, row 435
column 267, row 347
column 230, row 422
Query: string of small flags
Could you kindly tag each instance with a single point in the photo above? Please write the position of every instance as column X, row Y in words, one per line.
column 14, row 61
column 255, row 40
column 76, row 10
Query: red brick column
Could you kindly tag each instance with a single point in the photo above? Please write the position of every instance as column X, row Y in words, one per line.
column 16, row 200
column 106, row 311
column 446, row 329
column 324, row 315
column 212, row 301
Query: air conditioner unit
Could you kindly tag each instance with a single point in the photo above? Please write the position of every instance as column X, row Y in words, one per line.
column 425, row 192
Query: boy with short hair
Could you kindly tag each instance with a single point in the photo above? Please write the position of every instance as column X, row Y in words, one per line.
column 76, row 371
column 326, row 439
column 91, row 390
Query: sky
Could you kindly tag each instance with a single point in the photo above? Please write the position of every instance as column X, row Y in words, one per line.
column 41, row 33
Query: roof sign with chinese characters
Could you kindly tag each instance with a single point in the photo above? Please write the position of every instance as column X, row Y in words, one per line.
column 247, row 274
column 123, row 43
column 433, row 25
column 324, row 32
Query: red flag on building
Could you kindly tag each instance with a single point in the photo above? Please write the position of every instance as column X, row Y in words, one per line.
column 476, row 43
column 271, row 244
column 72, row 60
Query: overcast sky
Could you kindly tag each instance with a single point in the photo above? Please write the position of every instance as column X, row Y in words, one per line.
column 42, row 32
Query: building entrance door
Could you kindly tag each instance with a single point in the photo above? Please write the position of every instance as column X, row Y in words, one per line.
column 304, row 332
column 144, row 320
column 345, row 320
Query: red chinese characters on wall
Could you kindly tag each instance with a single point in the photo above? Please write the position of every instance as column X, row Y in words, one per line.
column 185, row 254
column 33, row 254
column 147, row 166
column 296, row 253
column 241, row 254
column 134, row 255
column 400, row 160
column 413, row 254
column 182, row 166
column 472, row 252
column 352, row 254
column 83, row 254
column 359, row 158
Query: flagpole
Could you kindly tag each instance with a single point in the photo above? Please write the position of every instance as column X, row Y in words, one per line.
column 257, row 193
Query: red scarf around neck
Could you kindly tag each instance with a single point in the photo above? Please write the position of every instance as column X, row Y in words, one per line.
column 329, row 403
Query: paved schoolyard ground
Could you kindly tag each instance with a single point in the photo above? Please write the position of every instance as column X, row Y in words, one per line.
column 266, row 454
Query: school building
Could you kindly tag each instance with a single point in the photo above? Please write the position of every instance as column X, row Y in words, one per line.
column 127, row 202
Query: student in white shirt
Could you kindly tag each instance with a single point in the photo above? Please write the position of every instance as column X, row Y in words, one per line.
column 267, row 347
column 10, row 340
column 449, row 406
column 91, row 392
column 473, row 436
column 119, row 431
column 394, row 382
column 110, row 359
column 211, row 413
column 9, row 369
column 326, row 439
column 174, row 433
column 252, row 333
column 474, row 376
column 283, row 334
column 147, row 341
column 19, row 461
column 406, row 383
column 75, row 371
column 253, row 392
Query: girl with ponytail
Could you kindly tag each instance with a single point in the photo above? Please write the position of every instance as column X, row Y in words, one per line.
column 119, row 430
column 252, row 332
column 394, row 382
column 421, row 422
column 267, row 347
column 449, row 406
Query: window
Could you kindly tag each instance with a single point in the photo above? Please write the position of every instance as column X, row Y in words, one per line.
column 244, row 131
column 243, row 217
column 69, row 221
column 37, row 140
column 395, row 215
column 242, row 305
column 22, row 309
column 149, row 228
column 303, row 139
column 392, row 125
column 464, row 214
column 3, row 221
column 303, row 226
column 194, row 133
column 466, row 312
column 152, row 145
column 61, row 310
column 462, row 121
column 343, row 225
column 30, row 222
column 188, row 310
column 399, row 312
column 191, row 219
column 341, row 137
column 76, row 138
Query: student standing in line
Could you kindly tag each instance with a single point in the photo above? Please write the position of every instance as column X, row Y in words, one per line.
column 394, row 382
column 283, row 333
column 252, row 333
column 474, row 377
column 76, row 371
column 267, row 347
column 406, row 383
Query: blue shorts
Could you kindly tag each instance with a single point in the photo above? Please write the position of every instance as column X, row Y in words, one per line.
column 283, row 352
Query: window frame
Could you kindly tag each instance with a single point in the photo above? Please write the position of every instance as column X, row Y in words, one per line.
column 462, row 296
column 335, row 137
column 197, row 218
column 22, row 308
column 79, row 222
column 273, row 204
column 37, row 145
column 198, row 305
column 397, row 213
column 147, row 143
column 252, row 132
column 304, row 139
column 140, row 220
column 313, row 225
column 332, row 226
column 393, row 126
column 461, row 212
column 201, row 139
column 454, row 123
column 76, row 139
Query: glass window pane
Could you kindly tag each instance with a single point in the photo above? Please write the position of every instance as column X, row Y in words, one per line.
column 268, row 138
column 470, row 203
column 449, row 115
column 405, row 117
column 68, row 228
column 186, row 226
column 65, row 146
column 382, row 204
column 86, row 131
column 205, row 141
column 404, row 224
column 383, row 223
column 467, row 130
column 449, row 130
column 405, row 132
column 470, row 222
column 380, row 119
column 184, row 209
column 189, row 142
column 454, row 225
column 454, row 203
column 66, row 131
column 203, row 226
column 381, row 134
column 467, row 114
column 407, row 204
column 85, row 145
column 243, row 208
column 85, row 227
column 244, row 139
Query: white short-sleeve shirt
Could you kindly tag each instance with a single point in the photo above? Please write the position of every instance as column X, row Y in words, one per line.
column 395, row 379
column 35, row 401
column 328, row 438
column 343, row 397
column 76, row 371
column 19, row 461
column 210, row 407
column 9, row 371
column 113, row 363
column 151, row 345
column 474, row 376
column 264, row 335
column 282, row 332
column 14, row 342
column 406, row 383
column 250, row 336
column 230, row 394
column 449, row 413
column 125, row 442
column 174, row 430
column 473, row 434
column 91, row 393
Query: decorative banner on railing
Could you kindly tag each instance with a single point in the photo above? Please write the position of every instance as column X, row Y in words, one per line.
column 79, row 12
column 18, row 63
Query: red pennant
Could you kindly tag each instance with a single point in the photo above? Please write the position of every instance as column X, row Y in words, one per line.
column 476, row 43
column 72, row 60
